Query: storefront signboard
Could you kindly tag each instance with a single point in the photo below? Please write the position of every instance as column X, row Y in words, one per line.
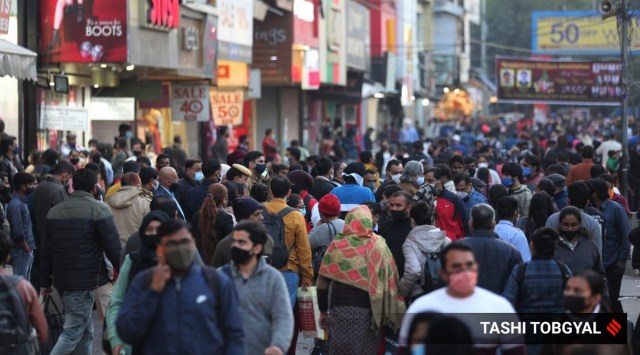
column 189, row 102
column 235, row 30
column 226, row 107
column 112, row 109
column 64, row 118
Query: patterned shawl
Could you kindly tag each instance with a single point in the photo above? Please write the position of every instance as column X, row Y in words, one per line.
column 360, row 258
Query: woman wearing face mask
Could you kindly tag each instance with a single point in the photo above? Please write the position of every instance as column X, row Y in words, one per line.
column 575, row 247
column 361, row 302
column 74, row 159
column 133, row 264
column 212, row 222
column 412, row 177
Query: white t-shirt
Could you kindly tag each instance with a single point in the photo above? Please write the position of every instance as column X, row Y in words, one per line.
column 482, row 301
column 604, row 149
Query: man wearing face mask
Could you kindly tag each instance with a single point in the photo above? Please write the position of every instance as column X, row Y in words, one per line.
column 391, row 177
column 149, row 180
column 369, row 161
column 21, row 231
column 267, row 317
column 168, row 186
column 179, row 306
column 512, row 179
column 127, row 167
column 70, row 145
column 412, row 177
column 80, row 231
column 466, row 192
column 256, row 162
column 396, row 229
column 193, row 176
column 212, row 171
column 451, row 213
column 352, row 193
column 301, row 183
column 463, row 297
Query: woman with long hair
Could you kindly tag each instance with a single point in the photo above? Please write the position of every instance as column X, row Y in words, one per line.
column 540, row 208
column 360, row 271
column 212, row 223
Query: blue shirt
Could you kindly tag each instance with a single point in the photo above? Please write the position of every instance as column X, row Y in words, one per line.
column 514, row 236
column 20, row 221
column 561, row 199
column 615, row 241
column 352, row 195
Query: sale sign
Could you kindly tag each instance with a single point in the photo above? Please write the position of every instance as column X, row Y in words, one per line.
column 226, row 107
column 559, row 82
column 84, row 31
column 5, row 12
column 189, row 102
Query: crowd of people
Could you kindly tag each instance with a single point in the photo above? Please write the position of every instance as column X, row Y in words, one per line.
column 206, row 256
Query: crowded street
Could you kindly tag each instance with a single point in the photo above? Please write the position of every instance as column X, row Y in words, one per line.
column 319, row 177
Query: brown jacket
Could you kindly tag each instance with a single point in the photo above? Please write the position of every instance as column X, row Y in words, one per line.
column 296, row 239
column 580, row 171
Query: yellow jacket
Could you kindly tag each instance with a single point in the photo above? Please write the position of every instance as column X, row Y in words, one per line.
column 297, row 241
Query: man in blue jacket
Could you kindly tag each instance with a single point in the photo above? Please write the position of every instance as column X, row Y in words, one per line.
column 180, row 307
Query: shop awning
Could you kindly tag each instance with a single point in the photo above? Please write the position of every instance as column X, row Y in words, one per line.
column 17, row 61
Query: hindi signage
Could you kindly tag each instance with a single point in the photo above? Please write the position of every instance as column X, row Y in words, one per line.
column 559, row 82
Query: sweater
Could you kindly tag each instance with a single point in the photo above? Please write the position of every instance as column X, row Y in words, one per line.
column 265, row 308
column 542, row 287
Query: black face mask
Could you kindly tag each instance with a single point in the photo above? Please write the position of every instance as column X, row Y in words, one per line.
column 574, row 304
column 175, row 187
column 472, row 172
column 150, row 241
column 569, row 235
column 240, row 256
column 74, row 161
column 260, row 168
column 137, row 153
column 398, row 215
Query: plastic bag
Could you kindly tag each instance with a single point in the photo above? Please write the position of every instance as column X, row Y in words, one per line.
column 309, row 313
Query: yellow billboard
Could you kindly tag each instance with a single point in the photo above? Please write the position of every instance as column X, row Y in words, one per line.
column 577, row 32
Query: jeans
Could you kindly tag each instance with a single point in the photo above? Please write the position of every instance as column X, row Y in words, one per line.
column 77, row 335
column 291, row 279
column 21, row 262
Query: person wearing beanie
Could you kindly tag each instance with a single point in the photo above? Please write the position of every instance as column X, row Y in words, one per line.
column 244, row 209
column 323, row 233
column 301, row 183
column 352, row 193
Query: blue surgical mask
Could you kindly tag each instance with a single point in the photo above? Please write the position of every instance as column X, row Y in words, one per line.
column 303, row 211
column 199, row 176
column 507, row 182
column 418, row 349
column 526, row 171
column 420, row 180
column 129, row 134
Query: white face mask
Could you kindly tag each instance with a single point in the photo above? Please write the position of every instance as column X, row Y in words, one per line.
column 155, row 185
column 483, row 165
column 396, row 178
column 463, row 194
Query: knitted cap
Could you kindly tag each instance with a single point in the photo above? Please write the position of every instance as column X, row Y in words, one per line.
column 244, row 207
column 329, row 205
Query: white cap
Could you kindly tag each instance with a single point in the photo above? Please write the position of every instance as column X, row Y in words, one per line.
column 456, row 138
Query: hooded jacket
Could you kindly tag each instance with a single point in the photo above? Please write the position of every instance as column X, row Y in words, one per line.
column 128, row 206
column 523, row 196
column 420, row 241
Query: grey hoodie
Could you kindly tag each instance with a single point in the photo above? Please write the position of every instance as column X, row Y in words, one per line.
column 421, row 241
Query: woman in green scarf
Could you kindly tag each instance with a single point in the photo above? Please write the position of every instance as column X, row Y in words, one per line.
column 361, row 273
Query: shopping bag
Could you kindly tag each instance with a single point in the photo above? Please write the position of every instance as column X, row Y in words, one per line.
column 309, row 313
column 55, row 319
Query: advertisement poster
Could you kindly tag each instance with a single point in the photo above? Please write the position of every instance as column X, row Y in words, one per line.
column 235, row 30
column 226, row 107
column 578, row 32
column 5, row 13
column 86, row 31
column 559, row 82
column 189, row 102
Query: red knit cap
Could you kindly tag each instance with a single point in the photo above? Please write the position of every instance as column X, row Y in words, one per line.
column 329, row 205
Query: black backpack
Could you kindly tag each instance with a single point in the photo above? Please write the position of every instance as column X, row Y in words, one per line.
column 15, row 330
column 275, row 228
column 318, row 254
column 430, row 272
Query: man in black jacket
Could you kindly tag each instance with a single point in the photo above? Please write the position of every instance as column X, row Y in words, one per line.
column 396, row 229
column 79, row 232
column 495, row 257
column 392, row 174
column 322, row 183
